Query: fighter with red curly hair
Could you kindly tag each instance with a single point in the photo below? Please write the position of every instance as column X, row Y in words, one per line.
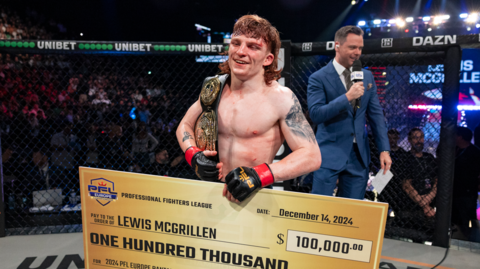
column 244, row 115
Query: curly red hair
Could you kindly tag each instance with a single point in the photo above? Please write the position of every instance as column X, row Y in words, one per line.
column 257, row 27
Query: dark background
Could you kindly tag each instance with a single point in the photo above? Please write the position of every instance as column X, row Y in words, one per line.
column 154, row 20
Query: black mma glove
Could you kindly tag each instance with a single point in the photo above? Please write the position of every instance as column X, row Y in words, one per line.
column 242, row 181
column 205, row 168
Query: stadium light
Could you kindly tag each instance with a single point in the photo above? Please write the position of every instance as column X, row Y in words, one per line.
column 426, row 18
column 202, row 27
column 400, row 23
column 409, row 19
column 440, row 19
column 429, row 29
column 425, row 107
column 472, row 18
column 478, row 25
column 468, row 28
column 362, row 23
column 439, row 107
column 392, row 21
column 354, row 2
column 377, row 21
column 463, row 15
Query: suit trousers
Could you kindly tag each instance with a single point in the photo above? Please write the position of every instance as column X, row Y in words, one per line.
column 352, row 178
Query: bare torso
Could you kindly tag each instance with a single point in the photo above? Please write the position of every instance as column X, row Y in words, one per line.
column 253, row 122
column 249, row 131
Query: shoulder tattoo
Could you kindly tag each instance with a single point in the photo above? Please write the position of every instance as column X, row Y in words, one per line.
column 297, row 121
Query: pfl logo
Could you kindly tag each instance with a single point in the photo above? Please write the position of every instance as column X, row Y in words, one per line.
column 244, row 177
column 356, row 75
column 102, row 190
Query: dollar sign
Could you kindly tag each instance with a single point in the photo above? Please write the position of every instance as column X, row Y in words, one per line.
column 280, row 239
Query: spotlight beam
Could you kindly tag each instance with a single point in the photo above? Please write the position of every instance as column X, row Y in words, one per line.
column 416, row 9
column 330, row 30
column 442, row 6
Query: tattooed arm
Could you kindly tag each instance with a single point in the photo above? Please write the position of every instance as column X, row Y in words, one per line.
column 296, row 121
column 305, row 156
column 185, row 131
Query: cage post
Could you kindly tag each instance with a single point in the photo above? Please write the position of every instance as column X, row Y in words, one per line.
column 2, row 200
column 446, row 155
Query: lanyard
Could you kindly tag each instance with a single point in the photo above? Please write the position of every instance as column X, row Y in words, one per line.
column 424, row 165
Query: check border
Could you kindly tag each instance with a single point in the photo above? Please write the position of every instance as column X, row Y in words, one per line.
column 302, row 196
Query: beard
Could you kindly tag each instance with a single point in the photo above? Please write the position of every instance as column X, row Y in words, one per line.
column 418, row 147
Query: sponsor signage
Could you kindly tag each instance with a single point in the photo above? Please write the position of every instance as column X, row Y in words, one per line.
column 387, row 42
column 356, row 75
column 330, row 45
column 418, row 43
column 105, row 46
column 434, row 40
column 307, row 46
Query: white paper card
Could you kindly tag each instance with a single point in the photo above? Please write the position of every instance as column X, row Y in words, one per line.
column 381, row 180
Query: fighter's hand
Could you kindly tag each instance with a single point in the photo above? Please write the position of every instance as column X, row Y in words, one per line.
column 356, row 91
column 242, row 181
column 205, row 168
column 385, row 161
column 209, row 153
column 228, row 195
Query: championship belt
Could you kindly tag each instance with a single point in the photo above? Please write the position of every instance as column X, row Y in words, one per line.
column 206, row 127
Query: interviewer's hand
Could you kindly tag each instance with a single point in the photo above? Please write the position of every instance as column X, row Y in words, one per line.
column 356, row 91
column 385, row 161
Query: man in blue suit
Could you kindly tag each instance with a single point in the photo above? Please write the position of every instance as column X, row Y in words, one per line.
column 341, row 132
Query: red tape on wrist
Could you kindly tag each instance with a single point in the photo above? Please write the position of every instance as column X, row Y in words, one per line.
column 189, row 154
column 265, row 174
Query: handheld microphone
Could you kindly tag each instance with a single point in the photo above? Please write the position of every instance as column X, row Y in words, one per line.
column 357, row 76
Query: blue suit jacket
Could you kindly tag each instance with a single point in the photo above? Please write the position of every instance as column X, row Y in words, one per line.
column 330, row 110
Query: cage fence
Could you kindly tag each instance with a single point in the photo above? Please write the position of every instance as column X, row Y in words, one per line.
column 108, row 107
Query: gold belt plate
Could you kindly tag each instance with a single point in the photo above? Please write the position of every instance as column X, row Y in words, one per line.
column 206, row 131
column 210, row 91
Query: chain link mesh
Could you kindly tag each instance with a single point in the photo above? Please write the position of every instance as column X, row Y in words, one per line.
column 401, row 87
column 62, row 111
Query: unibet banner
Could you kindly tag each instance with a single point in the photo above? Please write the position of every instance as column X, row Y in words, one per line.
column 150, row 222
column 39, row 46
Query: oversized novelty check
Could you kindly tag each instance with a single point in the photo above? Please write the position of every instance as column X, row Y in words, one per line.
column 151, row 222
